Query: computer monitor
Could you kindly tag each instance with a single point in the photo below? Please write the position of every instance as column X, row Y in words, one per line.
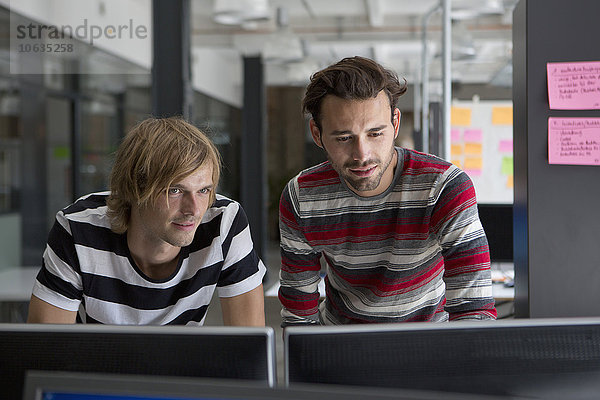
column 246, row 353
column 44, row 385
column 497, row 221
column 541, row 358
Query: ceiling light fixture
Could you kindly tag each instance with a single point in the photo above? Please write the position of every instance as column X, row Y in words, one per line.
column 283, row 46
column 466, row 9
column 240, row 12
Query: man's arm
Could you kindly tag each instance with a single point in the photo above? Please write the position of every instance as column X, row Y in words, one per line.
column 247, row 309
column 465, row 250
column 45, row 313
column 300, row 266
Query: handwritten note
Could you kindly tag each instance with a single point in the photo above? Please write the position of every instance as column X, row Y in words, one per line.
column 574, row 141
column 574, row 86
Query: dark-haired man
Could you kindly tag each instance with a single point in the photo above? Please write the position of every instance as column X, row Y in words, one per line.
column 398, row 229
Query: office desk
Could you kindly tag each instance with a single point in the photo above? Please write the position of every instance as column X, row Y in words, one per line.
column 16, row 283
column 502, row 293
column 15, row 291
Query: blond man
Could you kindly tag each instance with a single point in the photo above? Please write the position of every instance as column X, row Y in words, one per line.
column 154, row 249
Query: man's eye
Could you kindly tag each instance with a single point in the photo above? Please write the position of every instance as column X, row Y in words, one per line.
column 343, row 138
column 173, row 191
column 205, row 190
column 376, row 134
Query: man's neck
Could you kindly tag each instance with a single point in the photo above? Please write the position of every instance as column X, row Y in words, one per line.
column 158, row 262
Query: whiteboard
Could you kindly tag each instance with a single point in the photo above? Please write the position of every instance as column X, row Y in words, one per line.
column 482, row 146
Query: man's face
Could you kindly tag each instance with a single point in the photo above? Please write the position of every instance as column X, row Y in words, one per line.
column 358, row 136
column 173, row 222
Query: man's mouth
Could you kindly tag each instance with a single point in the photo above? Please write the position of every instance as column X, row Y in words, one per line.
column 363, row 171
column 184, row 225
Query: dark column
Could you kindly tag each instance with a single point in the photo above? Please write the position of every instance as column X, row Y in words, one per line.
column 435, row 129
column 253, row 182
column 32, row 198
column 171, row 87
column 556, row 218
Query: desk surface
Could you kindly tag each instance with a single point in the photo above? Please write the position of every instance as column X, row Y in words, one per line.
column 16, row 283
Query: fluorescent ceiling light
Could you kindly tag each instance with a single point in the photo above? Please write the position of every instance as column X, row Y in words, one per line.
column 465, row 9
column 239, row 12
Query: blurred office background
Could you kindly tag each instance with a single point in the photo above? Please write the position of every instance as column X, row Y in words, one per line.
column 62, row 116
column 59, row 128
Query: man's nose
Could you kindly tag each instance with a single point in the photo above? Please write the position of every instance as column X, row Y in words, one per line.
column 190, row 204
column 360, row 150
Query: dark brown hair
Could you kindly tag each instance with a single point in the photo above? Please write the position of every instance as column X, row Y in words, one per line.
column 352, row 78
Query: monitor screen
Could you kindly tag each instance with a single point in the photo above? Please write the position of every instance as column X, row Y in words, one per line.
column 214, row 352
column 51, row 385
column 538, row 358
column 497, row 222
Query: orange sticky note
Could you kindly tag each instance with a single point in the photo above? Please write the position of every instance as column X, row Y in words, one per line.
column 473, row 148
column 502, row 116
column 456, row 150
column 457, row 162
column 509, row 182
column 460, row 116
column 473, row 163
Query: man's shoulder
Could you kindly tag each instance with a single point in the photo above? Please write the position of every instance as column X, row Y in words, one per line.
column 319, row 176
column 89, row 204
column 416, row 161
column 223, row 209
column 222, row 202
column 421, row 167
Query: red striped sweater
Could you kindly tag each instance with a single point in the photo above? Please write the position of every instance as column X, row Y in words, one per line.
column 416, row 252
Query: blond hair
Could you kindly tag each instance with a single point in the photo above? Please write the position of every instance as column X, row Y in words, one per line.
column 156, row 153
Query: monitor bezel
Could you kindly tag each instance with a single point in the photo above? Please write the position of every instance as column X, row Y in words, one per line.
column 266, row 332
column 416, row 327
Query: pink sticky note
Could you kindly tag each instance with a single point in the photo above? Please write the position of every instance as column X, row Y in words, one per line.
column 455, row 135
column 505, row 146
column 472, row 135
column 574, row 141
column 574, row 85
column 473, row 172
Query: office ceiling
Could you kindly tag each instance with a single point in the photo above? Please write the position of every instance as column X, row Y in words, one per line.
column 389, row 31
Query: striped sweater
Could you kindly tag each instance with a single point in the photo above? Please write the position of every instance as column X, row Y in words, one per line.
column 87, row 264
column 416, row 252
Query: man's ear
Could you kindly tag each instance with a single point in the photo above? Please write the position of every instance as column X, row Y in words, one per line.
column 315, row 132
column 396, row 122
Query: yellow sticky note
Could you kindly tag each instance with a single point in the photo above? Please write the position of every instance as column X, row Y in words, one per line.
column 460, row 116
column 473, row 148
column 456, row 150
column 457, row 162
column 473, row 163
column 507, row 165
column 502, row 116
column 509, row 182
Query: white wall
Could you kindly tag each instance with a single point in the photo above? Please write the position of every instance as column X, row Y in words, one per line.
column 215, row 72
column 138, row 13
column 219, row 74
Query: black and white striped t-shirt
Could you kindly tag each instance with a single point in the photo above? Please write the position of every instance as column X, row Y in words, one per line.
column 87, row 264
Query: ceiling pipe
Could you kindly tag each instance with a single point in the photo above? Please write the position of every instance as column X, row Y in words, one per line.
column 445, row 6
column 447, row 75
column 425, row 79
